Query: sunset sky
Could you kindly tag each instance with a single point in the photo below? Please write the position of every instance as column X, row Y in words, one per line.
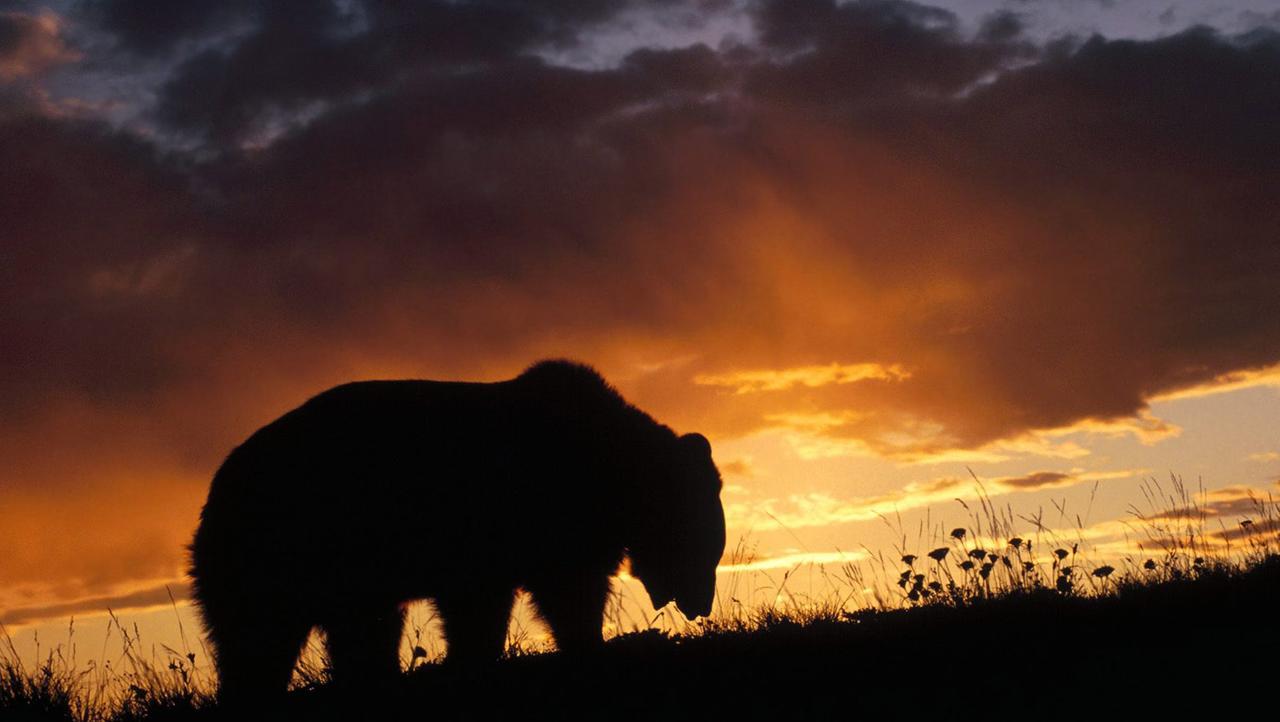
column 865, row 247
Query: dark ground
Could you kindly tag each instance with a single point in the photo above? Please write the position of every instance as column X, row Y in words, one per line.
column 1166, row 651
column 1198, row 648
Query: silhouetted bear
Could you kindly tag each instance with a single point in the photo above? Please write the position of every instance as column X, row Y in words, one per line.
column 376, row 493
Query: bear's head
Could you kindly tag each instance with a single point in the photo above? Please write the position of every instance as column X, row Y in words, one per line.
column 681, row 538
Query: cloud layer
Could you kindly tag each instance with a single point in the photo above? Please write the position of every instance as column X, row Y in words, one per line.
column 927, row 237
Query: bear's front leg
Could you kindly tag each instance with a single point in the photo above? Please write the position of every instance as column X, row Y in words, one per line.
column 574, row 609
column 475, row 621
column 364, row 644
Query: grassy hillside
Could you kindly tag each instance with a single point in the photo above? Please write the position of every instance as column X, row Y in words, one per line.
column 1208, row 636
column 1163, row 646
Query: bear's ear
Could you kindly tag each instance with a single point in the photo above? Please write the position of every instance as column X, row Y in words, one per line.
column 696, row 444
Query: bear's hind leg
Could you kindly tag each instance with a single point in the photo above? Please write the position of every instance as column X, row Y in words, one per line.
column 364, row 646
column 255, row 656
column 574, row 609
column 475, row 624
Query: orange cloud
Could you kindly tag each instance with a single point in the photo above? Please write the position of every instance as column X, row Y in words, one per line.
column 1224, row 383
column 31, row 44
column 816, row 510
column 789, row 561
column 746, row 382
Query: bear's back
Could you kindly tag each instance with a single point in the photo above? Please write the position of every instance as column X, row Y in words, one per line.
column 357, row 442
column 456, row 460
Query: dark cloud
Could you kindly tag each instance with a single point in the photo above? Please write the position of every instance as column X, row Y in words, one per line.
column 264, row 59
column 155, row 26
column 854, row 58
column 147, row 26
column 1037, row 235
column 1232, row 502
column 1264, row 533
column 1037, row 480
column 1002, row 27
column 90, row 217
column 299, row 52
column 151, row 597
column 958, row 233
